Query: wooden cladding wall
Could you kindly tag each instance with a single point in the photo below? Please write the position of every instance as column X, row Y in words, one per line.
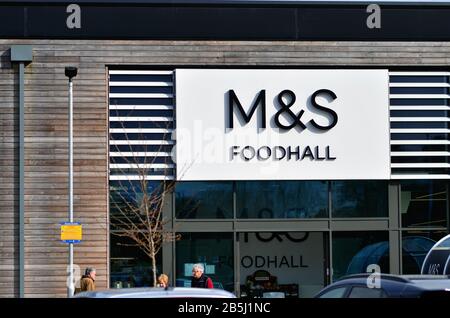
column 9, row 186
column 46, row 101
column 46, row 171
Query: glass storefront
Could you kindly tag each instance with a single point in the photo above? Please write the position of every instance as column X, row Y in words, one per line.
column 282, row 199
column 354, row 252
column 359, row 199
column 213, row 250
column 424, row 215
column 424, row 203
column 294, row 263
column 415, row 246
column 129, row 266
column 204, row 200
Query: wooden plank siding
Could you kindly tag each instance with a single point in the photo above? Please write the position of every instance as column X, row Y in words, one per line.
column 46, row 172
column 9, row 186
column 46, row 134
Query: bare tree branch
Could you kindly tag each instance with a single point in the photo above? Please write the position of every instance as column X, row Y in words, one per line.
column 138, row 215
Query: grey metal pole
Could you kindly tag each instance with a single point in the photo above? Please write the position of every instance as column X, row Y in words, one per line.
column 70, row 72
column 21, row 54
column 21, row 180
column 71, row 288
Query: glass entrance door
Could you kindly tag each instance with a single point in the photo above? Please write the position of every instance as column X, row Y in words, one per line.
column 282, row 264
column 213, row 250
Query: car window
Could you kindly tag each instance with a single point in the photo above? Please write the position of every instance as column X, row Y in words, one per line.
column 334, row 293
column 365, row 292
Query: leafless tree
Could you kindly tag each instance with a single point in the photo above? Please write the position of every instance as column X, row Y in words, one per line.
column 137, row 203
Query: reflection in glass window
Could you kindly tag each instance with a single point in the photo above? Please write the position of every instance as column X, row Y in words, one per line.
column 124, row 194
column 424, row 203
column 354, row 252
column 282, row 199
column 334, row 293
column 209, row 200
column 444, row 244
column 364, row 292
column 130, row 267
column 290, row 263
column 415, row 247
column 213, row 250
column 359, row 198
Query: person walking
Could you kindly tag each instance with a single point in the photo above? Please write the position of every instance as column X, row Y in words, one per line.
column 199, row 279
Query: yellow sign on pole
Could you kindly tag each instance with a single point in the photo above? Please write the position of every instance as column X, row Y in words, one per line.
column 71, row 232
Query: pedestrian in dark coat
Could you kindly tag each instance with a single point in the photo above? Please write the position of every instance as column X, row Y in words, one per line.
column 199, row 279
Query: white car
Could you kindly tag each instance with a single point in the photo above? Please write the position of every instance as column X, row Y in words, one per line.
column 156, row 292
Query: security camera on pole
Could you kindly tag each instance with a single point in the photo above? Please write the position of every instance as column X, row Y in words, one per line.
column 70, row 231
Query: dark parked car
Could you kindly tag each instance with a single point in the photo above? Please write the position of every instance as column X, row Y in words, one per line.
column 388, row 286
column 156, row 292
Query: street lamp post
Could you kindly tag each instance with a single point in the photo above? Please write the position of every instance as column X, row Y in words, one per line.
column 71, row 72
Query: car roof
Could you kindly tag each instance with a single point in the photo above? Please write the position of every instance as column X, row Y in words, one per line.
column 426, row 282
column 397, row 285
column 156, row 292
column 431, row 282
column 381, row 275
column 399, row 278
